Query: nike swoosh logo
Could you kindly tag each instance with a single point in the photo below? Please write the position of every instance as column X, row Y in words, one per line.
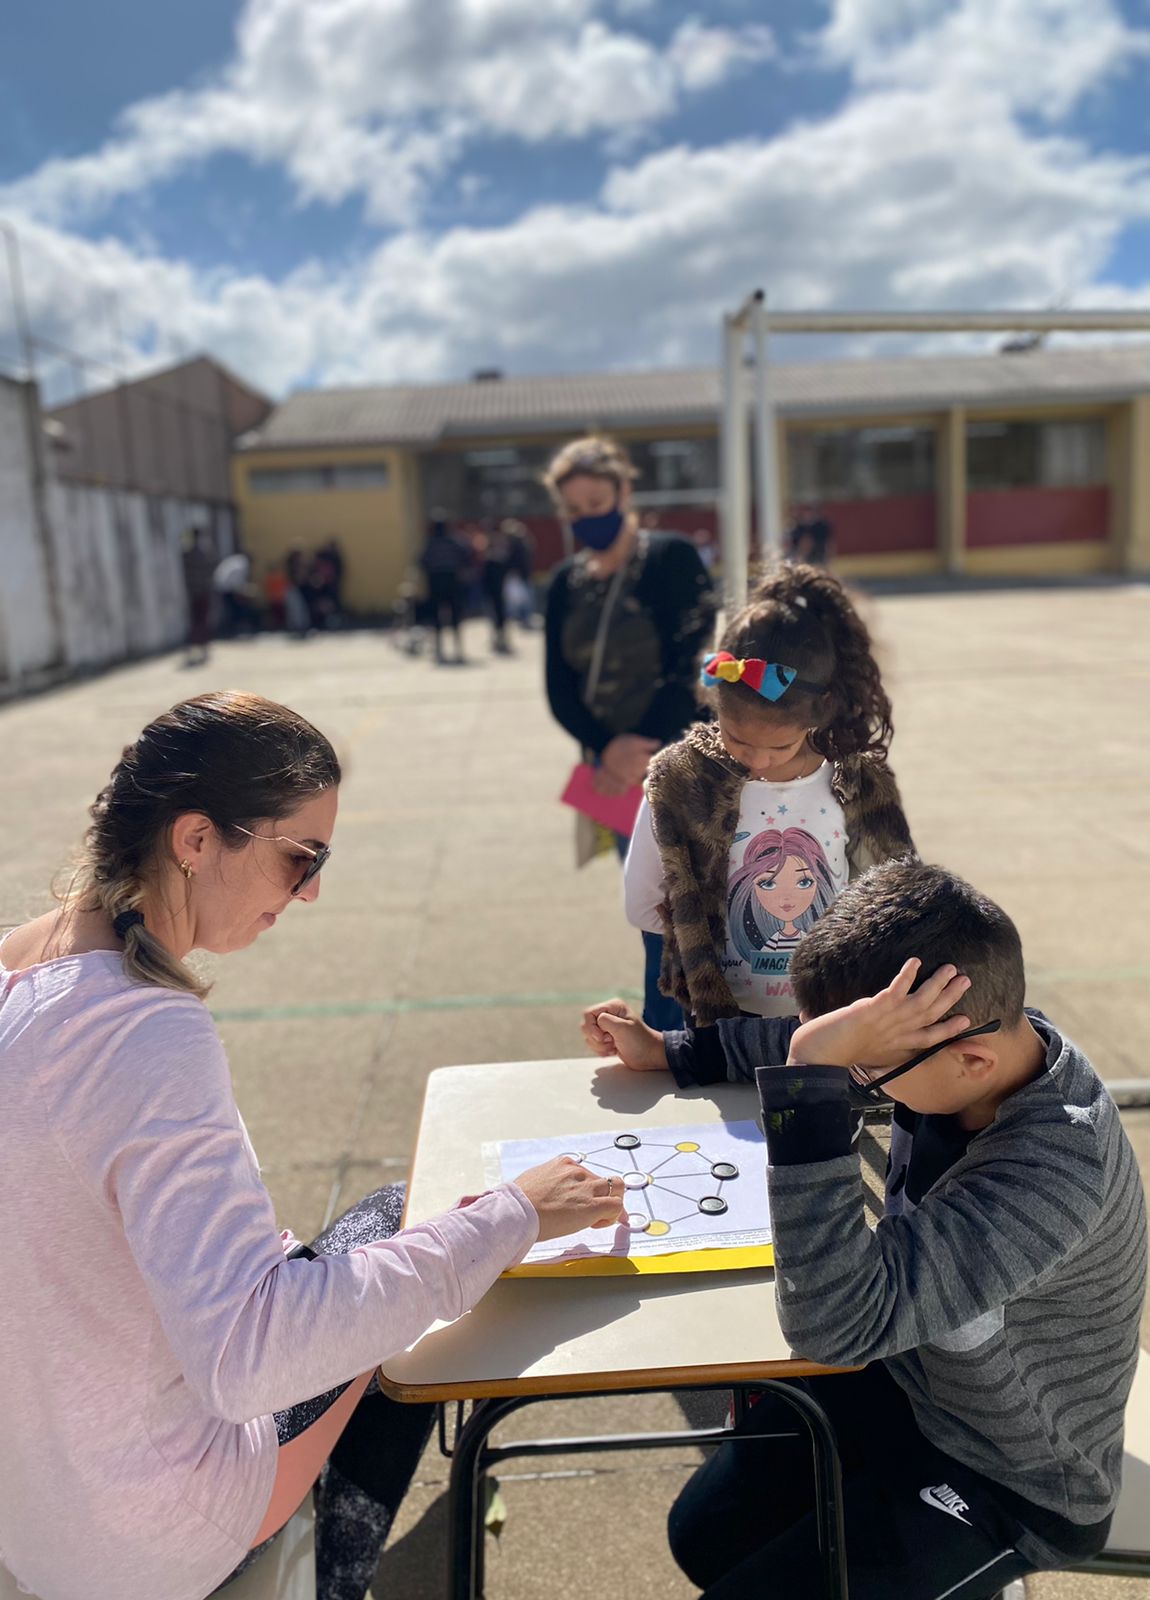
column 932, row 1499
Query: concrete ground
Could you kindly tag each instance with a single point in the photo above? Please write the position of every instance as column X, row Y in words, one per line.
column 454, row 927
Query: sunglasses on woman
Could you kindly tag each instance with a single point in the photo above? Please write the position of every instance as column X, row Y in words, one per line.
column 319, row 858
column 871, row 1088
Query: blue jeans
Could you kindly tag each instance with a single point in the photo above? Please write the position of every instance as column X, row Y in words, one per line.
column 658, row 1011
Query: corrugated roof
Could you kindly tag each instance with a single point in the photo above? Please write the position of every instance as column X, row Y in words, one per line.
column 427, row 414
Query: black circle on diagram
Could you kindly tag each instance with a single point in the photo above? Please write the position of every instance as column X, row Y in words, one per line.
column 724, row 1169
column 712, row 1206
column 626, row 1141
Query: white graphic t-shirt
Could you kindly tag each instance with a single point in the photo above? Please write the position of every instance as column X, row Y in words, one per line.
column 788, row 863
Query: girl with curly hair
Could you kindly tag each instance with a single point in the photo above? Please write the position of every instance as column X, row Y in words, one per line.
column 795, row 762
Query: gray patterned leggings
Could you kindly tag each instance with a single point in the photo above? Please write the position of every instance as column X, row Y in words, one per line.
column 379, row 1450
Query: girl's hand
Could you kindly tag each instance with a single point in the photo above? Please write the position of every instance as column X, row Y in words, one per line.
column 628, row 756
column 886, row 1028
column 639, row 1047
column 597, row 1040
column 568, row 1198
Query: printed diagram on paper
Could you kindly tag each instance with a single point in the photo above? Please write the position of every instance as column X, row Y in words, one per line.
column 685, row 1188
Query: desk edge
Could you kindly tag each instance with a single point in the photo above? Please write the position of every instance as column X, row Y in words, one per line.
column 653, row 1378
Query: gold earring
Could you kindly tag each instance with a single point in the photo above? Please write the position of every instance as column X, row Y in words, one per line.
column 186, row 869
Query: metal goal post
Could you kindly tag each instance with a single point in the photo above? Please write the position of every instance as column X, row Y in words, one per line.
column 743, row 382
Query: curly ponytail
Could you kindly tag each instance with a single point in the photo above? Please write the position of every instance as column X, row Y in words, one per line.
column 804, row 618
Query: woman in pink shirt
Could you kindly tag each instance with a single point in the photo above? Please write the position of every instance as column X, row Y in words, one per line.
column 177, row 1371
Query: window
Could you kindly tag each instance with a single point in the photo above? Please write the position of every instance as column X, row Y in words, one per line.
column 319, row 480
column 503, row 482
column 860, row 463
column 676, row 471
column 1027, row 455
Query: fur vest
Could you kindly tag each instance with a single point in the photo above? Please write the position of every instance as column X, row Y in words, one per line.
column 694, row 788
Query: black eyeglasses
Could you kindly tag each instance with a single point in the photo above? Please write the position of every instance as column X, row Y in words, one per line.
column 871, row 1088
column 319, row 858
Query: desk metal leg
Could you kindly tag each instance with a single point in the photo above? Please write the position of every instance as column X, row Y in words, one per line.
column 828, row 1484
column 472, row 1456
column 465, row 1498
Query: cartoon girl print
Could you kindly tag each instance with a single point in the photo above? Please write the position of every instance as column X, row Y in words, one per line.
column 782, row 888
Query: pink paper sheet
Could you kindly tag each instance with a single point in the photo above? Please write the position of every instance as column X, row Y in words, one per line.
column 614, row 811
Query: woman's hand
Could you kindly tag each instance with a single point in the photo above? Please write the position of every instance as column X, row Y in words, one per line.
column 613, row 1029
column 603, row 783
column 888, row 1027
column 568, row 1198
column 627, row 757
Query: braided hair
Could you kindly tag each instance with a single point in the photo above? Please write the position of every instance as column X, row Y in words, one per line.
column 803, row 618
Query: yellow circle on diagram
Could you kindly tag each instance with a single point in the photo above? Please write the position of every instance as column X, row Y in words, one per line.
column 687, row 1145
column 658, row 1227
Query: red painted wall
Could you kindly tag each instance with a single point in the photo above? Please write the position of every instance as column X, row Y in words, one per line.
column 878, row 527
column 1036, row 516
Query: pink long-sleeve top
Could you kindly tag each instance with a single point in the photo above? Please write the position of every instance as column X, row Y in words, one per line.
column 149, row 1323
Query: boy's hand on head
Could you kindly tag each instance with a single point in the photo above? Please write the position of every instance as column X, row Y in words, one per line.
column 886, row 1027
column 639, row 1047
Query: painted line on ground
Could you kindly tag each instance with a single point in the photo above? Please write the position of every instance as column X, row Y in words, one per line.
column 391, row 1008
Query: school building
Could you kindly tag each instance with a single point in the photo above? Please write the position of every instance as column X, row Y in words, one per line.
column 1010, row 464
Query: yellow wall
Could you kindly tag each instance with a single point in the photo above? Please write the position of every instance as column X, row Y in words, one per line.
column 381, row 529
column 1130, row 486
column 376, row 527
column 1070, row 559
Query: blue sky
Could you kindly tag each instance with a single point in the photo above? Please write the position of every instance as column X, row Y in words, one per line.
column 394, row 190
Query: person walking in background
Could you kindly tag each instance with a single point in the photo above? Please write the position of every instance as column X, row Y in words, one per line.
column 230, row 581
column 519, row 593
column 297, row 613
column 322, row 592
column 820, row 533
column 810, row 537
column 275, row 595
column 199, row 568
column 446, row 561
column 495, row 572
column 336, row 566
column 628, row 619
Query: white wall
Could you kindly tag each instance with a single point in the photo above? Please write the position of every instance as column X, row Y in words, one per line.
column 120, row 587
column 121, row 577
column 27, row 636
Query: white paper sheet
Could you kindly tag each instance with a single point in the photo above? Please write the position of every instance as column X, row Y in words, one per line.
column 687, row 1188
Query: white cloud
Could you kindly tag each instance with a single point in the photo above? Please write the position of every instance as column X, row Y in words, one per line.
column 381, row 96
column 925, row 187
column 705, row 56
column 1041, row 56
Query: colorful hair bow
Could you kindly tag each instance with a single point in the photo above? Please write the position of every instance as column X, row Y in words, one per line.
column 767, row 678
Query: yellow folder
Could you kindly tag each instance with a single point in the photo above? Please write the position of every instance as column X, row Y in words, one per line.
column 737, row 1259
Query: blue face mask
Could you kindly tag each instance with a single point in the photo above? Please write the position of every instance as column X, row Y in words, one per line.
column 598, row 533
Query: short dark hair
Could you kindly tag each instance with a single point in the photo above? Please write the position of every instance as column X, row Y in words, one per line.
column 902, row 909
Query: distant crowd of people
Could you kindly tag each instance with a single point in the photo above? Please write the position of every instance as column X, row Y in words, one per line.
column 480, row 567
column 301, row 595
column 465, row 570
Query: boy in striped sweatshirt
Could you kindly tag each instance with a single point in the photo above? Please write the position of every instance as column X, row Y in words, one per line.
column 994, row 1309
